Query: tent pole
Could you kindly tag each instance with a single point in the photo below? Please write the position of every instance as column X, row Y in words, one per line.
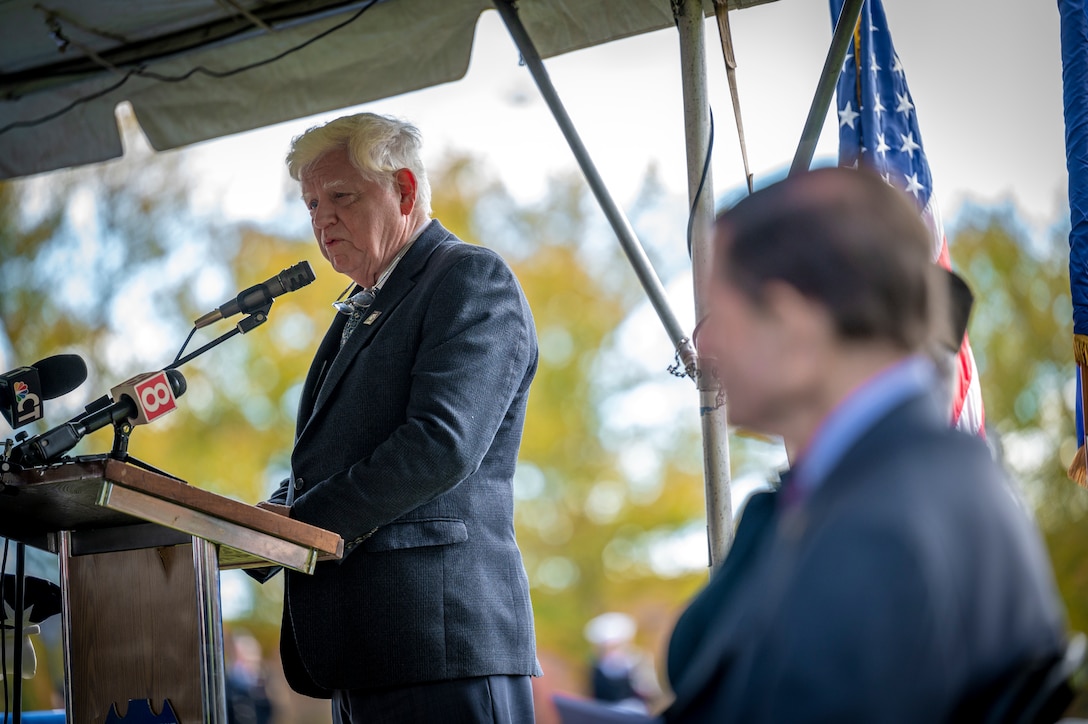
column 626, row 234
column 825, row 89
column 712, row 409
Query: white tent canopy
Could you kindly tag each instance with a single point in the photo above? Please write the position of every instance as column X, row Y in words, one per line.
column 87, row 56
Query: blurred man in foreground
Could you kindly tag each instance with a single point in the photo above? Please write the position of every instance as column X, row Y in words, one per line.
column 894, row 579
column 409, row 425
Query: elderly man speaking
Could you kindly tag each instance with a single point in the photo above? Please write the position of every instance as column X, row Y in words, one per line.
column 407, row 435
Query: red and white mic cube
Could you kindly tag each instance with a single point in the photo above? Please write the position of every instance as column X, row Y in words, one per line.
column 152, row 393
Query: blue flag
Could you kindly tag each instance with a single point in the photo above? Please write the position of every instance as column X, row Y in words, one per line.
column 1075, row 84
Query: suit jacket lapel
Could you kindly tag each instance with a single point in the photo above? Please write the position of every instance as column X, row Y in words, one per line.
column 398, row 285
column 319, row 368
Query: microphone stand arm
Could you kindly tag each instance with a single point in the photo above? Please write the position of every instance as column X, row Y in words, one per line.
column 249, row 323
column 123, row 428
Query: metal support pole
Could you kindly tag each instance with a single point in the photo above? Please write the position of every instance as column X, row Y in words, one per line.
column 64, row 554
column 825, row 89
column 630, row 243
column 210, row 621
column 712, row 411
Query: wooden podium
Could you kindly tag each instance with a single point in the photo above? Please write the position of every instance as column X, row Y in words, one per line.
column 140, row 555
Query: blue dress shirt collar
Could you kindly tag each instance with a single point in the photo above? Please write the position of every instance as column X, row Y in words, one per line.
column 858, row 412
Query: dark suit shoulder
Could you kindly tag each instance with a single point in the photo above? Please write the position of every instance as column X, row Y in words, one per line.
column 939, row 526
column 443, row 251
column 453, row 251
column 458, row 272
column 910, row 453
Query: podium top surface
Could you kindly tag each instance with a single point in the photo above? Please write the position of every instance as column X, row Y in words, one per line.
column 37, row 502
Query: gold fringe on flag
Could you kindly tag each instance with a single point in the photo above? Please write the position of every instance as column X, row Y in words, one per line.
column 1080, row 349
column 1078, row 469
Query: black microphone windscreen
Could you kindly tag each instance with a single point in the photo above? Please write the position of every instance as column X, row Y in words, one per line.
column 177, row 382
column 60, row 374
column 296, row 277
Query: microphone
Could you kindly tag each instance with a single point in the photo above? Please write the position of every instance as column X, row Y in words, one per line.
column 261, row 295
column 141, row 400
column 153, row 394
column 23, row 389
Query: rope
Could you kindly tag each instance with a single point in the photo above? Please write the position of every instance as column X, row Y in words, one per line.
column 721, row 11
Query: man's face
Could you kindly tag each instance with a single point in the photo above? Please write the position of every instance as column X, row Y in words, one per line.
column 764, row 353
column 358, row 223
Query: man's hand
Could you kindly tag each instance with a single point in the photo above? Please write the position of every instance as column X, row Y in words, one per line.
column 284, row 510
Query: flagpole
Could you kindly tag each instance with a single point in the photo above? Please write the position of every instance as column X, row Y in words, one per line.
column 825, row 89
column 712, row 412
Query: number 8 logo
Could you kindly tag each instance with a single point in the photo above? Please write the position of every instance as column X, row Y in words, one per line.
column 154, row 397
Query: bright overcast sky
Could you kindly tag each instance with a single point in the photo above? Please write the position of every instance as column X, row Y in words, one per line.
column 985, row 76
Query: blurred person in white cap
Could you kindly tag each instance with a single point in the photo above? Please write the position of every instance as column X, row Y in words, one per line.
column 619, row 675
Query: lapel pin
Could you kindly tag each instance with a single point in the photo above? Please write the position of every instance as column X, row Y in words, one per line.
column 370, row 320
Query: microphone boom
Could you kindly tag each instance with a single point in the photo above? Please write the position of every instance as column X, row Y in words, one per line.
column 261, row 295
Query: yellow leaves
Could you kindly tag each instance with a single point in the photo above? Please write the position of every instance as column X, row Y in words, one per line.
column 457, row 185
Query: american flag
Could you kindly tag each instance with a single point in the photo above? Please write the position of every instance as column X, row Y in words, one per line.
column 878, row 125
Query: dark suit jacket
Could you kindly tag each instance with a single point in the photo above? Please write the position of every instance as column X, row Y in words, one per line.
column 406, row 444
column 909, row 588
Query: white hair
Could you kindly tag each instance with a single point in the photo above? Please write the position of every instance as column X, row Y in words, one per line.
column 377, row 145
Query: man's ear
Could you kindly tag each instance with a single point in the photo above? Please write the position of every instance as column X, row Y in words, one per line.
column 406, row 188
